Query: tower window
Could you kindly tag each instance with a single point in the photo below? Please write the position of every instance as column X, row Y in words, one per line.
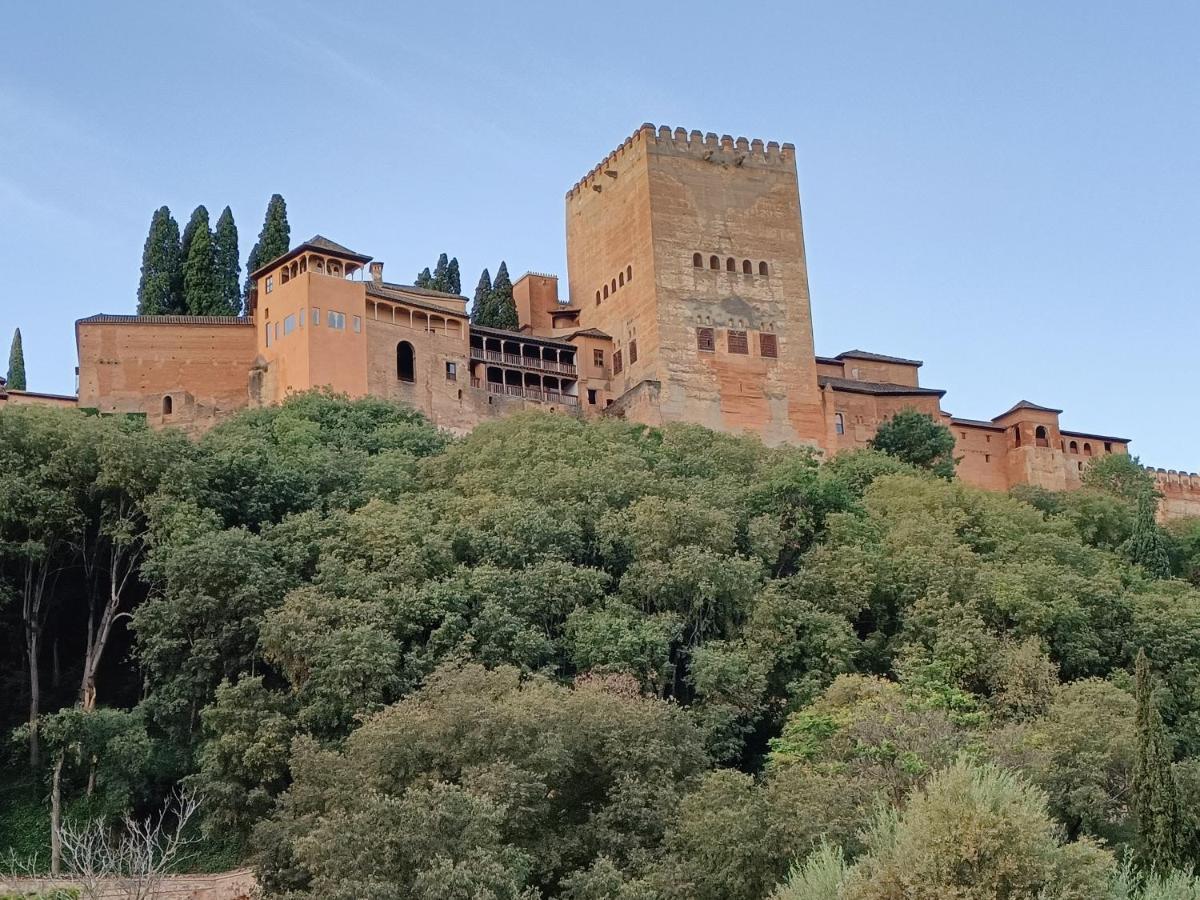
column 633, row 351
column 736, row 341
column 597, row 298
column 452, row 371
column 316, row 316
column 406, row 361
column 762, row 268
column 1074, row 447
column 1108, row 446
column 629, row 273
column 270, row 283
column 1087, row 449
column 768, row 345
column 747, row 268
column 705, row 340
column 730, row 265
column 598, row 359
column 614, row 285
column 168, row 405
column 1040, row 437
column 591, row 396
column 606, row 292
column 618, row 365
column 839, row 423
column 620, row 279
column 714, row 263
column 697, row 260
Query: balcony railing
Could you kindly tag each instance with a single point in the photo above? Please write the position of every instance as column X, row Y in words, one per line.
column 528, row 393
column 527, row 362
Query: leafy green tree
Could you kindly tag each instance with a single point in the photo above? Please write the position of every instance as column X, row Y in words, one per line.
column 1118, row 474
column 202, row 293
column 917, row 439
column 160, row 289
column 480, row 313
column 228, row 269
column 16, row 363
column 1155, row 793
column 1146, row 546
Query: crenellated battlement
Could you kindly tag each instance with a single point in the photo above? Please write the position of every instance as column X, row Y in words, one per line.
column 724, row 150
column 1170, row 481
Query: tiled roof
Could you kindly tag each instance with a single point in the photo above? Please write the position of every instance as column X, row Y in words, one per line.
column 876, row 387
column 520, row 336
column 976, row 423
column 589, row 332
column 415, row 289
column 316, row 242
column 878, row 357
column 1096, row 437
column 165, row 320
column 1025, row 404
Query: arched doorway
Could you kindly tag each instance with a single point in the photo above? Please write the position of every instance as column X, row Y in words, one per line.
column 406, row 359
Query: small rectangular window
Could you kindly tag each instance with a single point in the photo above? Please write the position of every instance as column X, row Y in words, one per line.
column 270, row 283
column 768, row 345
column 276, row 331
column 598, row 358
column 987, row 457
column 316, row 318
column 335, row 319
column 591, row 396
column 736, row 341
column 451, row 371
column 289, row 324
column 302, row 317
column 705, row 340
column 357, row 324
column 268, row 334
column 633, row 351
column 617, row 364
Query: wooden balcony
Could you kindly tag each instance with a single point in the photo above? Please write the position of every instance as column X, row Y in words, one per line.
column 528, row 393
column 525, row 362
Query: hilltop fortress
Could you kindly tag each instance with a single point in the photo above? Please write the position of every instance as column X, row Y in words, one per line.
column 687, row 301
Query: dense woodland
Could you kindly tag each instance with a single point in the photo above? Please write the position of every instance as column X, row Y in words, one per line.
column 596, row 661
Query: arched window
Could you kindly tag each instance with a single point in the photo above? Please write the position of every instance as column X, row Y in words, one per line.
column 747, row 268
column 597, row 298
column 614, row 285
column 1017, row 435
column 1087, row 449
column 606, row 292
column 168, row 405
column 629, row 273
column 1040, row 437
column 406, row 359
column 839, row 423
column 1074, row 447
column 620, row 279
column 762, row 268
column 730, row 265
column 697, row 260
column 714, row 263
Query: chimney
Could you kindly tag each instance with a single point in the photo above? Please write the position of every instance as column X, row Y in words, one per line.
column 377, row 272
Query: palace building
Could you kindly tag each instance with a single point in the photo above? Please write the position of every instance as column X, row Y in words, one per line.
column 687, row 300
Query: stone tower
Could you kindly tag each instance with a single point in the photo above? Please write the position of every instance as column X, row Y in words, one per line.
column 688, row 250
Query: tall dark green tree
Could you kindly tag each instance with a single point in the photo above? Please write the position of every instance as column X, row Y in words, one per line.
column 202, row 296
column 439, row 273
column 228, row 269
column 160, row 290
column 503, row 307
column 424, row 279
column 274, row 240
column 453, row 277
column 200, row 213
column 1155, row 797
column 16, row 363
column 483, row 299
column 1147, row 547
column 918, row 440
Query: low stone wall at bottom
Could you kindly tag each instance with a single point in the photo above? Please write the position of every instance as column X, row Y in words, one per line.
column 238, row 885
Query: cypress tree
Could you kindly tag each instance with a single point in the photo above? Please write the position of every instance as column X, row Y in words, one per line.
column 200, row 288
column 439, row 273
column 503, row 307
column 160, row 290
column 1154, row 798
column 189, row 231
column 225, row 258
column 480, row 307
column 16, row 363
column 424, row 279
column 453, row 277
column 253, row 261
column 274, row 240
column 1146, row 546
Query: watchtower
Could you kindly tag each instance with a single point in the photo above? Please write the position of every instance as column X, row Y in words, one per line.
column 688, row 250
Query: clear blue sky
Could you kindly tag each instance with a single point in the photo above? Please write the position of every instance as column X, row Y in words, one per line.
column 1008, row 191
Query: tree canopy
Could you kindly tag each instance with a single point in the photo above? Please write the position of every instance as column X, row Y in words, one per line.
column 917, row 439
column 569, row 659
